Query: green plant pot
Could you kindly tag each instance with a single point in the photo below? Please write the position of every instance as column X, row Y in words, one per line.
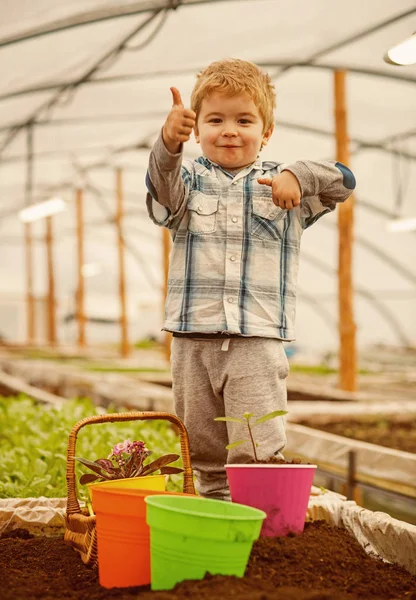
column 191, row 536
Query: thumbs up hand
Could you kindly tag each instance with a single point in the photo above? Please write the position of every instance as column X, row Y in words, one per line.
column 286, row 191
column 178, row 125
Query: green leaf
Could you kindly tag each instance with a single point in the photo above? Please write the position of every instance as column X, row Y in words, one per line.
column 40, row 467
column 231, row 419
column 272, row 415
column 235, row 444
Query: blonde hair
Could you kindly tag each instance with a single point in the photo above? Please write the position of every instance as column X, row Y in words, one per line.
column 234, row 76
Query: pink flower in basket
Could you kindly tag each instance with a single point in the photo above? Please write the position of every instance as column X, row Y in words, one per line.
column 126, row 459
column 122, row 447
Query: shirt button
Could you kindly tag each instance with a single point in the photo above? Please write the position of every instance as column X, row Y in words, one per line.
column 232, row 258
column 230, row 300
column 234, row 219
column 199, row 208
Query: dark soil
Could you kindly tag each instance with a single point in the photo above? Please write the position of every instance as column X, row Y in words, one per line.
column 273, row 460
column 324, row 563
column 390, row 431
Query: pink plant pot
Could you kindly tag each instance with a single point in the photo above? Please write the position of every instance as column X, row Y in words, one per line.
column 281, row 491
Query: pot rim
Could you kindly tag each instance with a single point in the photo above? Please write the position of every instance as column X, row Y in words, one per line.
column 266, row 466
column 252, row 515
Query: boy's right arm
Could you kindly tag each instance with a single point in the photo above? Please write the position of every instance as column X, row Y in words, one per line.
column 178, row 125
column 163, row 179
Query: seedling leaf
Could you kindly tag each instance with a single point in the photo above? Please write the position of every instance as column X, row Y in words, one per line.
column 235, row 444
column 272, row 415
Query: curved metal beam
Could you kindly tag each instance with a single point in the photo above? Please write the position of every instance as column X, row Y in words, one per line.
column 192, row 70
column 386, row 258
column 360, row 143
column 375, row 302
column 172, row 4
column 110, row 54
column 329, row 321
column 96, row 16
column 353, row 38
column 128, row 10
column 56, row 154
column 378, row 210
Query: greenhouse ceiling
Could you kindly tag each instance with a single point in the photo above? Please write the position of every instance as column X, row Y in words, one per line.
column 85, row 90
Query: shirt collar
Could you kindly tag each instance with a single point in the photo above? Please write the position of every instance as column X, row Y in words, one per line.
column 250, row 170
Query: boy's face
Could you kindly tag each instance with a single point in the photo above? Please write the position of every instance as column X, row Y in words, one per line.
column 230, row 130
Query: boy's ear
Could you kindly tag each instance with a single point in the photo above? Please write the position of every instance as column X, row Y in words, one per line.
column 267, row 135
column 196, row 134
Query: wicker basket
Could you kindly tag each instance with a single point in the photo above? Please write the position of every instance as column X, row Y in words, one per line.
column 80, row 526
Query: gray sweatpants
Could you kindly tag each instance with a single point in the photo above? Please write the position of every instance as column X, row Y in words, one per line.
column 210, row 382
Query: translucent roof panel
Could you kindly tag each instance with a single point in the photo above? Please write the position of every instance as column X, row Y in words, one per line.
column 85, row 90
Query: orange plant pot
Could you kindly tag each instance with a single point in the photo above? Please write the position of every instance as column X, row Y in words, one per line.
column 123, row 536
column 148, row 482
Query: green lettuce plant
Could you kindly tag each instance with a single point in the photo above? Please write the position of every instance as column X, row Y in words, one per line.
column 34, row 439
column 127, row 459
column 246, row 419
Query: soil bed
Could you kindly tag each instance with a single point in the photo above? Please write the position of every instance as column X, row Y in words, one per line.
column 325, row 563
column 393, row 432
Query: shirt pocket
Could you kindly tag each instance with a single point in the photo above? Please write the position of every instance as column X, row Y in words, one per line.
column 267, row 219
column 203, row 211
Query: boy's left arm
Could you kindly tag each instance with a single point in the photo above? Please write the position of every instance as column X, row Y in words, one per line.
column 331, row 182
column 311, row 188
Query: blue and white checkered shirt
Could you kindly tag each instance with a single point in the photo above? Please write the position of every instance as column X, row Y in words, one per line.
column 235, row 255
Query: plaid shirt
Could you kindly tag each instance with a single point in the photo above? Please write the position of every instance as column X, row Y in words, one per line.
column 235, row 254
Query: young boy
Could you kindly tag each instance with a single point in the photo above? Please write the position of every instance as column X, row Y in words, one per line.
column 236, row 224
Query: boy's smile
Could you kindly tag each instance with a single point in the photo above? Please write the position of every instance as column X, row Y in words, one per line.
column 230, row 130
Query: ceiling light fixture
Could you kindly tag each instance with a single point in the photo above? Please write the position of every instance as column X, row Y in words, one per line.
column 42, row 210
column 403, row 54
column 397, row 225
column 91, row 269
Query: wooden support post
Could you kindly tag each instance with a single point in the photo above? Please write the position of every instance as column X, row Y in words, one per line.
column 350, row 492
column 50, row 317
column 125, row 347
column 347, row 329
column 166, row 241
column 30, row 300
column 80, row 313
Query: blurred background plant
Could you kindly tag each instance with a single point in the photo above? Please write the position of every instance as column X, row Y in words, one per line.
column 33, row 444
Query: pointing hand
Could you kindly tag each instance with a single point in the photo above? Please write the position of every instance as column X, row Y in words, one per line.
column 179, row 123
column 286, row 191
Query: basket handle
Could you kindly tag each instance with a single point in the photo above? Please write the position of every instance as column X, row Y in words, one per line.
column 188, row 484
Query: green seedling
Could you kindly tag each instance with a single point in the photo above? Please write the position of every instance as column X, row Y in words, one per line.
column 246, row 420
